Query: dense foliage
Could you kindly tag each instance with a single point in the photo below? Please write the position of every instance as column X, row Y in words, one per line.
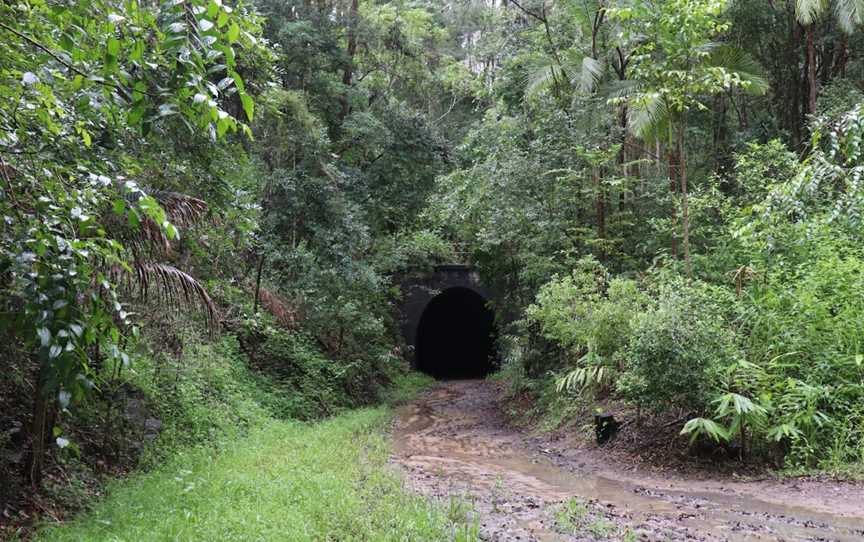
column 665, row 194
column 179, row 173
column 673, row 231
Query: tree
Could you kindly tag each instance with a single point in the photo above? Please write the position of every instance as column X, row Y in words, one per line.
column 676, row 66
column 87, row 90
column 848, row 13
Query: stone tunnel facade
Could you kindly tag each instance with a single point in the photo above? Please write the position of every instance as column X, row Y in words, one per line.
column 445, row 320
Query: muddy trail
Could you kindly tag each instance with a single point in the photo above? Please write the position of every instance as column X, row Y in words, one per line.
column 454, row 444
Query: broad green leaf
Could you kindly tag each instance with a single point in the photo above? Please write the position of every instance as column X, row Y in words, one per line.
column 44, row 336
column 233, row 33
column 248, row 106
column 113, row 47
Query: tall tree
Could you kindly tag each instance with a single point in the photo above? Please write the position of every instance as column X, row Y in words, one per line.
column 675, row 68
column 848, row 13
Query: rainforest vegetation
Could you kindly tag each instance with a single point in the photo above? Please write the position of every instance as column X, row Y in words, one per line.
column 208, row 207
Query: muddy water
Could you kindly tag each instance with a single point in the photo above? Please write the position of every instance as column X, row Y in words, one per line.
column 453, row 444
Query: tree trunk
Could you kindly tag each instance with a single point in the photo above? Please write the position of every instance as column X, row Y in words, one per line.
column 721, row 134
column 622, row 157
column 795, row 105
column 35, row 459
column 811, row 70
column 348, row 72
column 673, row 189
column 599, row 204
column 258, row 284
column 685, row 206
column 842, row 57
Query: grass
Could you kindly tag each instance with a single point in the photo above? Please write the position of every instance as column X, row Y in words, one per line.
column 406, row 387
column 284, row 481
column 576, row 517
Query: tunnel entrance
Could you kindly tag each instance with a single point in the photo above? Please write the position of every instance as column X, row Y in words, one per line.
column 456, row 336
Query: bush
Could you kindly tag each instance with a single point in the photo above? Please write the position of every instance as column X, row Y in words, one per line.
column 805, row 335
column 314, row 385
column 679, row 348
column 589, row 316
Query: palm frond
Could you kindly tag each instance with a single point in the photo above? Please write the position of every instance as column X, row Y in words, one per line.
column 849, row 14
column 583, row 73
column 619, row 90
column 173, row 288
column 150, row 238
column 737, row 61
column 182, row 209
column 809, row 11
column 541, row 79
column 589, row 75
column 647, row 116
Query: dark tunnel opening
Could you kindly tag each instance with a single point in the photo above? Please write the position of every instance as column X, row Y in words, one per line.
column 456, row 336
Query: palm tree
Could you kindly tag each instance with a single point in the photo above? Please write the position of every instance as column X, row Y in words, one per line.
column 657, row 107
column 848, row 13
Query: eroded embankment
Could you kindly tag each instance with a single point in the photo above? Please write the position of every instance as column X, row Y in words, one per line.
column 454, row 443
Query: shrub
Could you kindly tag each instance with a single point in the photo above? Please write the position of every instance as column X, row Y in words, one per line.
column 679, row 347
column 589, row 316
column 805, row 334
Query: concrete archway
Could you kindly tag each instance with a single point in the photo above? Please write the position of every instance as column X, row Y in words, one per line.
column 456, row 336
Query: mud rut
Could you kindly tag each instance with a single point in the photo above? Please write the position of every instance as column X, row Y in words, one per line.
column 454, row 445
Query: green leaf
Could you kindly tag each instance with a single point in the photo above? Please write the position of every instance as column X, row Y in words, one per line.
column 171, row 230
column 222, row 126
column 704, row 426
column 67, row 43
column 248, row 105
column 233, row 33
column 134, row 218
column 113, row 47
column 44, row 336
column 137, row 52
column 238, row 81
column 136, row 113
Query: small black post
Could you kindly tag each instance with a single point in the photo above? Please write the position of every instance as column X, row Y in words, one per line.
column 605, row 427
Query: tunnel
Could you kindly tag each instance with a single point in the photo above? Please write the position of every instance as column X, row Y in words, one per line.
column 456, row 336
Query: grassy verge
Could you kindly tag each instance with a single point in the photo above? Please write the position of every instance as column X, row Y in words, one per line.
column 284, row 481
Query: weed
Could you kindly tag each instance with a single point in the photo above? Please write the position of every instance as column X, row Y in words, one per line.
column 601, row 528
column 570, row 516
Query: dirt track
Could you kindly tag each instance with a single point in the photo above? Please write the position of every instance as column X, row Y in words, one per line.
column 454, row 444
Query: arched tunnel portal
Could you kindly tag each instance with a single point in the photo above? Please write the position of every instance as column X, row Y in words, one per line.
column 446, row 321
column 456, row 336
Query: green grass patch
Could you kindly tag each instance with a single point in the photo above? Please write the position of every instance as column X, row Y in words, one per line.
column 284, row 481
column 406, row 387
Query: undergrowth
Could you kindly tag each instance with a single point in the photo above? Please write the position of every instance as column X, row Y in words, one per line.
column 284, row 481
column 206, row 415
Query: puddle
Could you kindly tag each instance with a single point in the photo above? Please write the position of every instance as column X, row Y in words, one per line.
column 454, row 443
